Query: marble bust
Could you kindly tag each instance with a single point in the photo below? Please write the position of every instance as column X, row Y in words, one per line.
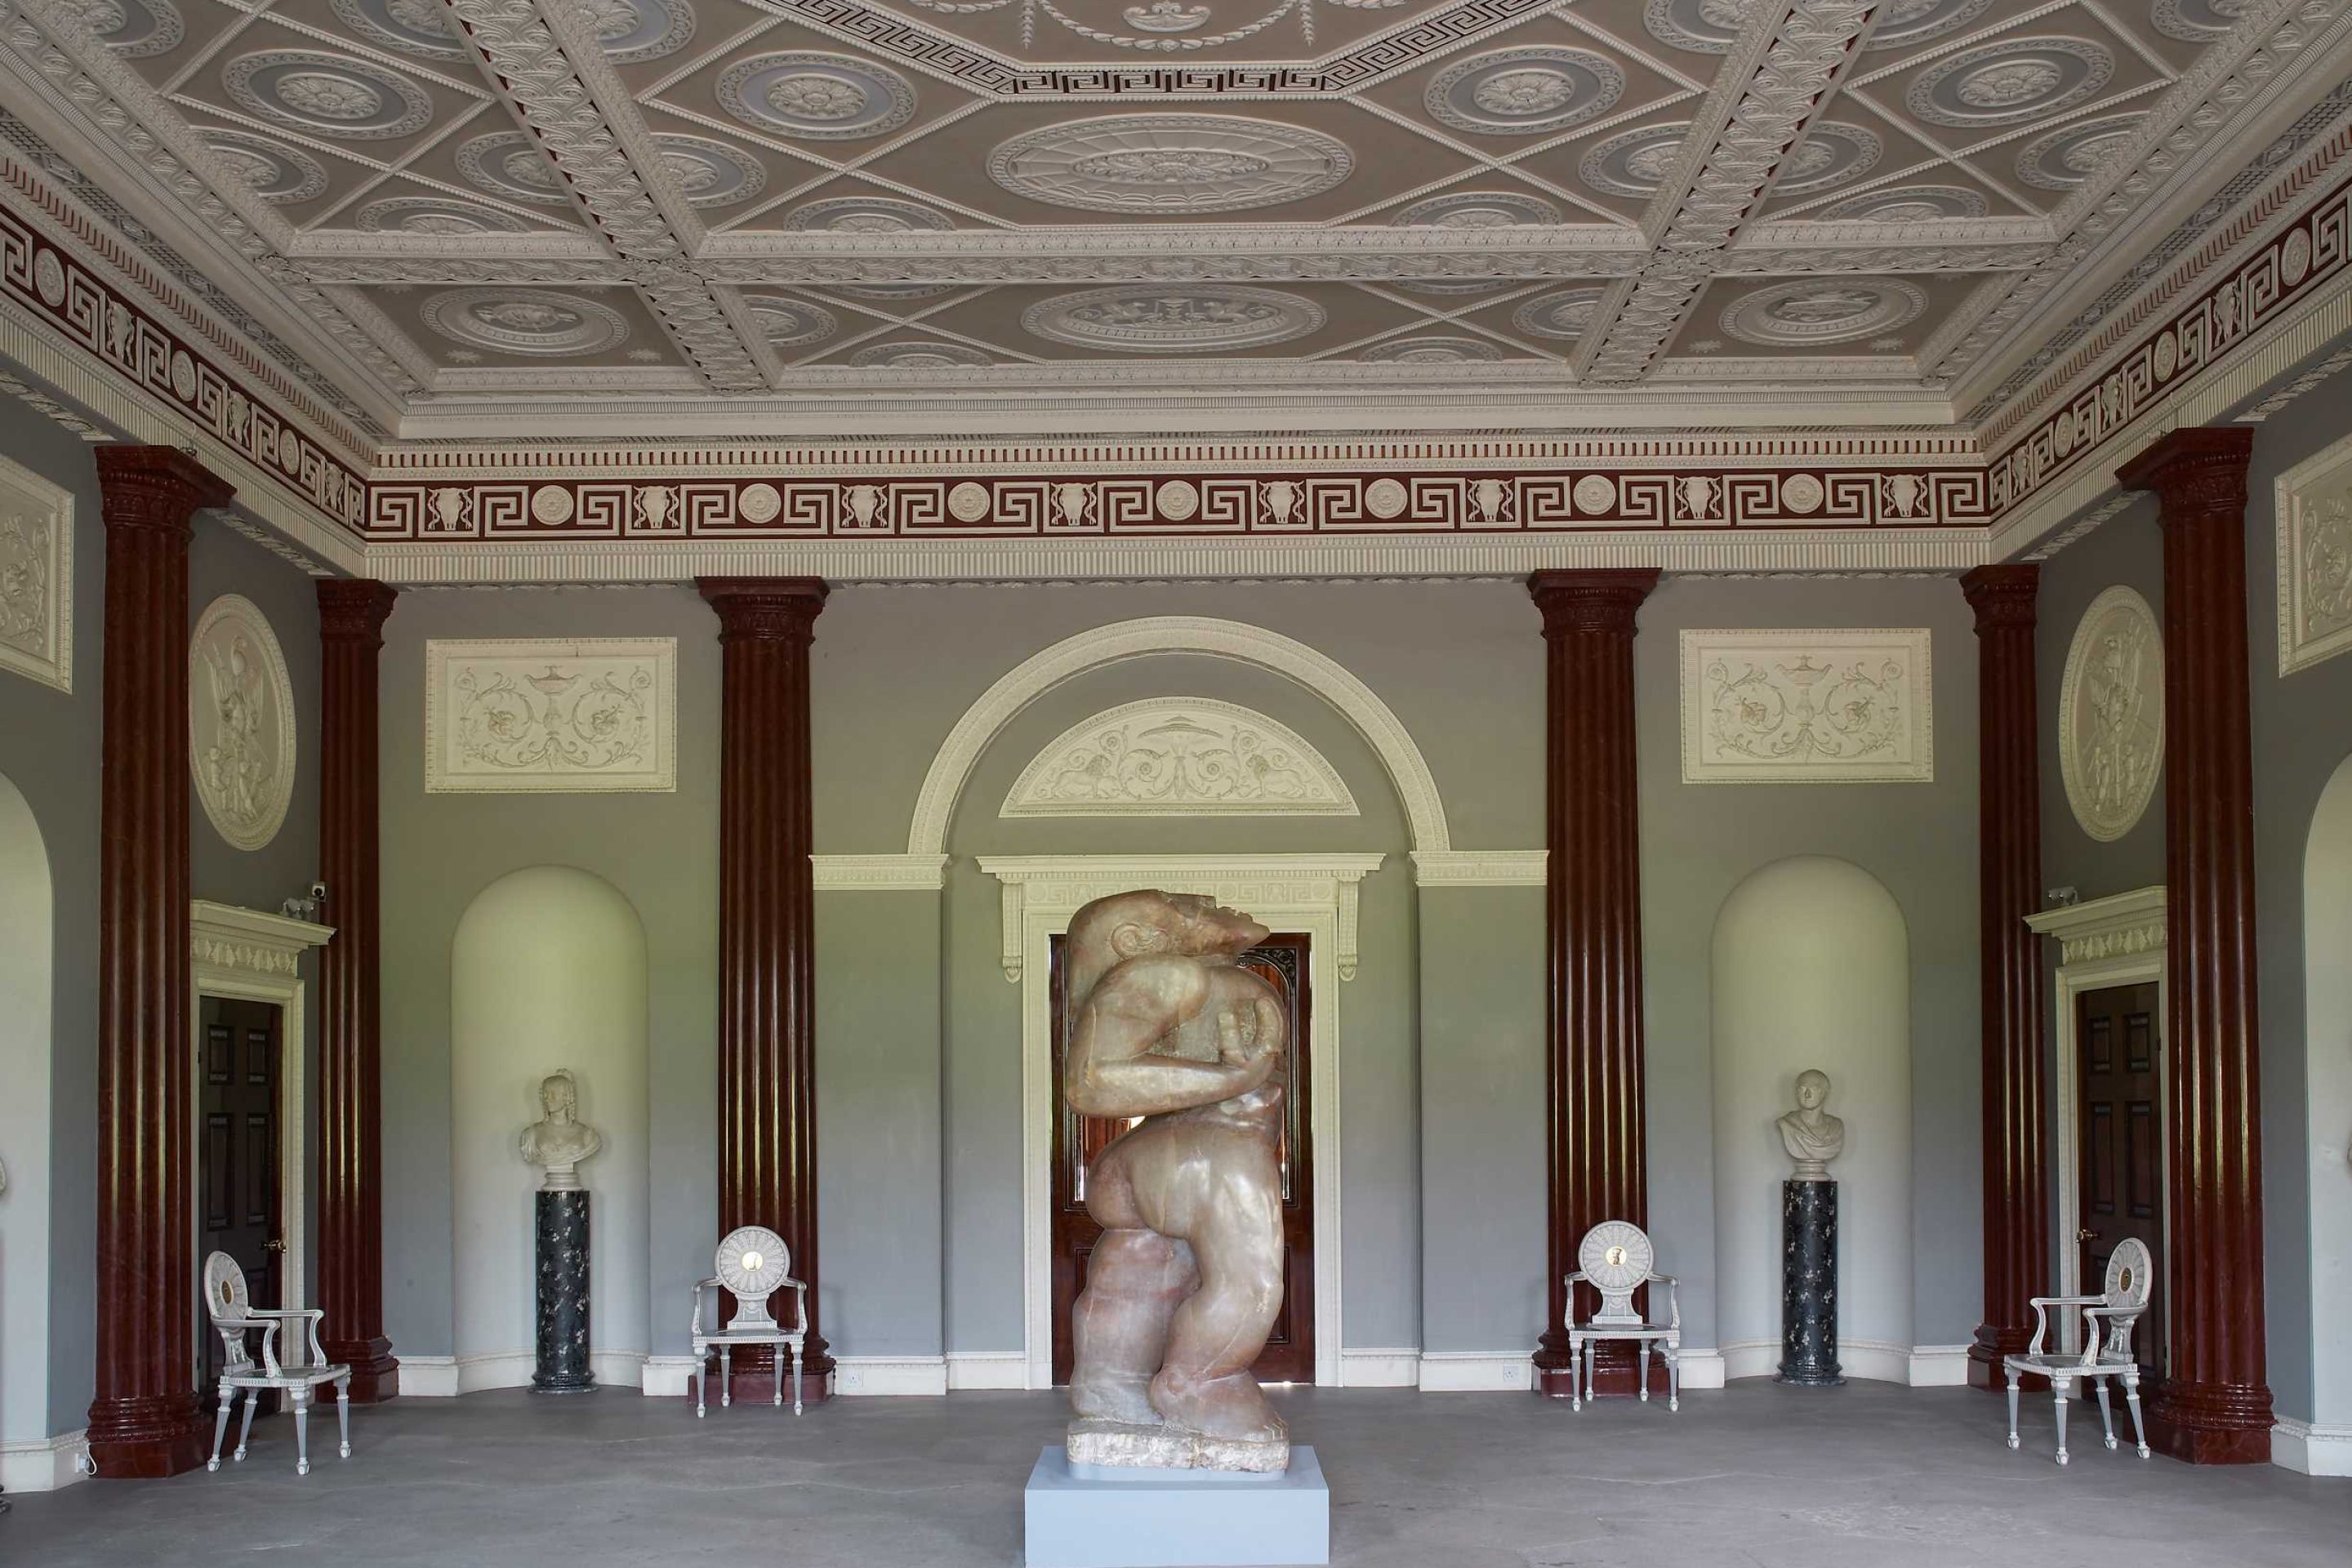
column 1810, row 1134
column 559, row 1141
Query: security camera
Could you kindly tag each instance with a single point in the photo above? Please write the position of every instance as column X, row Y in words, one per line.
column 319, row 892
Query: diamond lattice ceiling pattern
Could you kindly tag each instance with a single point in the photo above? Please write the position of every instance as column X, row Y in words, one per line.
column 527, row 203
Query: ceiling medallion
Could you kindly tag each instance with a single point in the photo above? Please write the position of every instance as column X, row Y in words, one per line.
column 1832, row 154
column 634, row 30
column 1524, row 91
column 1565, row 313
column 1902, row 22
column 422, row 27
column 507, row 163
column 1479, row 209
column 2009, row 81
column 1148, row 318
column 2072, row 155
column 524, row 321
column 917, row 357
column 436, row 215
column 272, row 171
column 788, row 323
column 894, row 290
column 1812, row 310
column 1704, row 26
column 328, row 95
column 1431, row 351
column 1637, row 162
column 2197, row 21
column 132, row 28
column 711, row 174
column 2111, row 714
column 1170, row 164
column 865, row 215
column 1910, row 204
column 828, row 98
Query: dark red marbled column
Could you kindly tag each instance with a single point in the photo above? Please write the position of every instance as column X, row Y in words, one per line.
column 2214, row 1406
column 144, row 1421
column 351, row 613
column 1596, row 1149
column 767, row 923
column 2008, row 857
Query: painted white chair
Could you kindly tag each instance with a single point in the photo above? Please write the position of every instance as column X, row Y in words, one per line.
column 235, row 1316
column 2107, row 1322
column 752, row 1265
column 1614, row 1258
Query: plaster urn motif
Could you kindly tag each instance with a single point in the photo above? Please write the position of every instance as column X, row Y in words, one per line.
column 1810, row 1133
column 559, row 1141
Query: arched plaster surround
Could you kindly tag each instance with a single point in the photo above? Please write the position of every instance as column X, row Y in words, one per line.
column 25, row 934
column 1074, row 656
column 547, row 971
column 2327, row 1028
column 1812, row 969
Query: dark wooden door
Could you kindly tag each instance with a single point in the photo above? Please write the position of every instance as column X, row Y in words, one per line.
column 1289, row 1353
column 2119, row 1055
column 237, row 1156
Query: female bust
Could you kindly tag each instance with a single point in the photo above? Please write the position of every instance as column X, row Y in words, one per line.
column 559, row 1142
column 1810, row 1134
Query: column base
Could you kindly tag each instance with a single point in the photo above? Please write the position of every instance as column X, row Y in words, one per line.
column 375, row 1372
column 1992, row 1343
column 2211, row 1423
column 147, row 1438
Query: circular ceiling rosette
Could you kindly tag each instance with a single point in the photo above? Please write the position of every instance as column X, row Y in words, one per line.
column 1524, row 91
column 327, row 95
column 817, row 96
column 2009, row 82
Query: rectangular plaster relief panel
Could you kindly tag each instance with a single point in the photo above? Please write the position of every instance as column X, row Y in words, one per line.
column 2314, row 559
column 1814, row 706
column 549, row 715
column 35, row 577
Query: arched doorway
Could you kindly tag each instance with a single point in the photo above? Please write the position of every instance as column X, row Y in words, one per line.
column 26, row 927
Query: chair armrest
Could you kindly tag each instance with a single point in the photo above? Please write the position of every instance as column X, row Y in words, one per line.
column 1674, row 1298
column 2067, row 1301
column 2125, row 1318
column 269, row 1345
column 699, row 1287
column 800, row 1303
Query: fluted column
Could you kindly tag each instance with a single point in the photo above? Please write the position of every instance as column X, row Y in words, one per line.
column 144, row 1421
column 351, row 613
column 2214, row 1406
column 2008, row 858
column 1596, row 1149
column 767, row 922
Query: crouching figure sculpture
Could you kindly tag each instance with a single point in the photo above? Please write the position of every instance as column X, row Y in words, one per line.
column 1186, row 1282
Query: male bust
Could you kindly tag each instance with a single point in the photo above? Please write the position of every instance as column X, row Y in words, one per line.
column 1186, row 1282
column 559, row 1142
column 1810, row 1134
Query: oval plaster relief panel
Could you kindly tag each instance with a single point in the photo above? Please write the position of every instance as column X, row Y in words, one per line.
column 328, row 95
column 240, row 722
column 1145, row 318
column 2111, row 714
column 133, row 29
column 1178, row 756
column 1170, row 164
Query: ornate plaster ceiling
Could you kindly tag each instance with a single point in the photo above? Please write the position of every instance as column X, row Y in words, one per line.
column 514, row 213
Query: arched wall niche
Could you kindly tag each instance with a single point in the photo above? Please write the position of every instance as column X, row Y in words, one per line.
column 1810, row 968
column 547, row 971
column 26, row 932
column 2327, row 1024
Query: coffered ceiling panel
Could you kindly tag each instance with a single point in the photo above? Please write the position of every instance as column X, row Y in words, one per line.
column 549, row 201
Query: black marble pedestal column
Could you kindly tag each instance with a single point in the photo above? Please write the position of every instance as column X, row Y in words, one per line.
column 1808, row 1273
column 562, row 1294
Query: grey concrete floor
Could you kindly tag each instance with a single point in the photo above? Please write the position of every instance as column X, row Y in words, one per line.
column 1865, row 1477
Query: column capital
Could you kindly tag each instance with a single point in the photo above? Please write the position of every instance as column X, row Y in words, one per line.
column 353, row 610
column 1600, row 599
column 764, row 609
column 2002, row 594
column 2196, row 469
column 155, row 486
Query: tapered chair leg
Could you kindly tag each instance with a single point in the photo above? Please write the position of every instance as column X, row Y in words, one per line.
column 778, row 1401
column 2131, row 1397
column 1674, row 1377
column 1645, row 1372
column 245, row 1428
column 2106, row 1414
column 726, row 1376
column 795, row 1350
column 2011, row 1373
column 343, row 1411
column 220, row 1427
column 701, row 1382
column 2060, row 1391
column 302, row 1432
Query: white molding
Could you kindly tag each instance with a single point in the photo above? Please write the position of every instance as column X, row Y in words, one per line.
column 1938, row 1366
column 1313, row 893
column 1476, row 1372
column 1379, row 1368
column 665, row 1376
column 987, row 1369
column 879, row 873
column 44, row 1464
column 867, row 1375
column 1702, row 1369
column 1123, row 640
column 238, row 613
column 1870, row 1361
column 1239, row 734
column 2292, row 494
column 1744, row 1359
column 646, row 666
column 446, row 1377
column 2121, row 925
column 2113, row 612
column 2311, row 1450
column 1479, row 867
column 52, row 507
column 428, row 1376
column 1906, row 756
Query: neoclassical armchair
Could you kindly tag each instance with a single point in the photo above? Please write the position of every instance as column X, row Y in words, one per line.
column 2108, row 1319
column 752, row 1265
column 1614, row 1258
column 235, row 1316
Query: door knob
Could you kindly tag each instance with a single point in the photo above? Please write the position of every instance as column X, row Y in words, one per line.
column 273, row 1245
column 2079, row 1235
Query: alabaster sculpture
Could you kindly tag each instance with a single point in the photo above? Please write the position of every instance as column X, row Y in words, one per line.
column 1186, row 1282
column 559, row 1141
column 1810, row 1134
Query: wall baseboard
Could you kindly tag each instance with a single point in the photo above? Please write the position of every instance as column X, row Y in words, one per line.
column 1870, row 1361
column 2313, row 1450
column 987, row 1369
column 1939, row 1366
column 668, row 1376
column 445, row 1377
column 44, row 1464
column 1476, row 1372
column 1398, row 1368
column 856, row 1375
column 428, row 1376
column 1702, row 1369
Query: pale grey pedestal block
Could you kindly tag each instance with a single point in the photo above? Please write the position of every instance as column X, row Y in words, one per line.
column 1119, row 1518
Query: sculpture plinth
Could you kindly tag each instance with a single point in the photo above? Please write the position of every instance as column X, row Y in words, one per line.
column 1809, row 1337
column 563, row 1293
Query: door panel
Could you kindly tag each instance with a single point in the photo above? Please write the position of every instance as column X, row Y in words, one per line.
column 1290, row 1354
column 2120, row 1175
column 237, row 1156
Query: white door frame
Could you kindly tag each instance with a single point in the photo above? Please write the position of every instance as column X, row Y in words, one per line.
column 247, row 955
column 1313, row 893
column 2115, row 941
